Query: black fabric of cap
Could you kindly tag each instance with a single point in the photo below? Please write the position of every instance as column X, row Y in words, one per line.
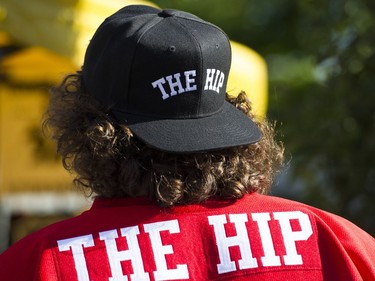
column 163, row 73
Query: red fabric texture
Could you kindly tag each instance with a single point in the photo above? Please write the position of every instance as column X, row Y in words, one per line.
column 255, row 238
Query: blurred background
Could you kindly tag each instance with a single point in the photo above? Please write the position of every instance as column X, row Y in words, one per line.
column 308, row 65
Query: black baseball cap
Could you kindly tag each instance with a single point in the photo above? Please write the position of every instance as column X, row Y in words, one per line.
column 164, row 73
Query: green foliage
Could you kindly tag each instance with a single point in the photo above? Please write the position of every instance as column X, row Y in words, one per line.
column 321, row 59
column 329, row 123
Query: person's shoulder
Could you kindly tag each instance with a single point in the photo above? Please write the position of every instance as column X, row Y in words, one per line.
column 27, row 256
column 44, row 237
column 274, row 203
column 322, row 219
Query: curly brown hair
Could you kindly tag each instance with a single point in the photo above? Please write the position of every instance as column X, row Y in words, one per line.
column 111, row 162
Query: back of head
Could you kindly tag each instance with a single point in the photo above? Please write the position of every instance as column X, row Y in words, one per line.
column 148, row 114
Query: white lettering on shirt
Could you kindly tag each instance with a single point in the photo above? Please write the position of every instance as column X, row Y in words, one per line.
column 224, row 242
column 269, row 258
column 278, row 241
column 162, row 272
column 133, row 254
column 76, row 245
column 290, row 236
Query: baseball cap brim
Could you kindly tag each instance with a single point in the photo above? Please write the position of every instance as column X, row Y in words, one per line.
column 227, row 128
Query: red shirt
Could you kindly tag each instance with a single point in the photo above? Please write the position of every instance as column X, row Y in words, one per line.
column 255, row 238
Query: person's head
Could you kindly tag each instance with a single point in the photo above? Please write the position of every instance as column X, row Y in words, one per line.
column 149, row 114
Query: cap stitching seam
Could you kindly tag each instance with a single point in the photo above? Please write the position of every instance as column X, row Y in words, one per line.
column 154, row 22
column 201, row 61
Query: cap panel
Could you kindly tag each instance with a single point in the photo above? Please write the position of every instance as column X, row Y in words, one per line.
column 108, row 57
column 216, row 57
column 166, row 71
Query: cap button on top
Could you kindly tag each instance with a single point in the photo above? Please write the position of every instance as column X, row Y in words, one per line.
column 168, row 13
